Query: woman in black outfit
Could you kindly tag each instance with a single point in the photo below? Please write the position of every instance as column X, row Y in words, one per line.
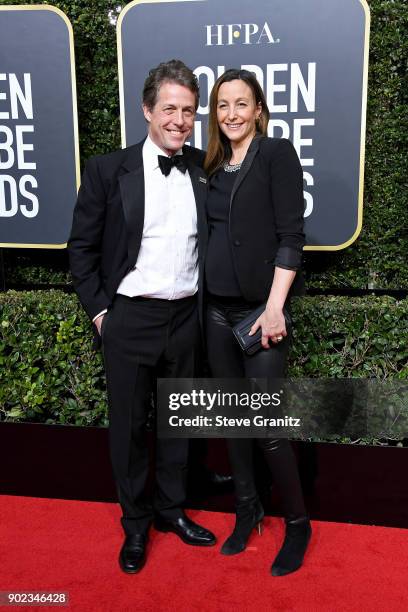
column 255, row 213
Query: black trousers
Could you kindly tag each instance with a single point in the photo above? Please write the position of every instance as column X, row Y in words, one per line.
column 227, row 360
column 144, row 339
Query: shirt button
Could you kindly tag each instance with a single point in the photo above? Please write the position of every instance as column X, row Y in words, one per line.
column 237, row 243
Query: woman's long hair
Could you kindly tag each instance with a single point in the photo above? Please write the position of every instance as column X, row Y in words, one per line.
column 219, row 148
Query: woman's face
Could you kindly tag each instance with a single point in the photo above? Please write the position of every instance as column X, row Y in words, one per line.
column 237, row 111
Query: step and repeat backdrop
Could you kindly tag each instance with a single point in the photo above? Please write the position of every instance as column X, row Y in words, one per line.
column 310, row 56
column 39, row 158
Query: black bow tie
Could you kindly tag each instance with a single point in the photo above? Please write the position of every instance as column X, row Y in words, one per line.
column 167, row 163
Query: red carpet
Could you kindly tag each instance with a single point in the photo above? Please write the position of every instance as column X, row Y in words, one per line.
column 58, row 545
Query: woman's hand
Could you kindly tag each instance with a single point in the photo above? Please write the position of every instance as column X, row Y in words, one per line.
column 272, row 323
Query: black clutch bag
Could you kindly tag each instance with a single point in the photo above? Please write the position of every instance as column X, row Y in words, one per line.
column 252, row 344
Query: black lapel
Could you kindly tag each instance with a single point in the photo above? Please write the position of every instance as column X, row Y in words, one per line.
column 199, row 182
column 133, row 199
column 246, row 164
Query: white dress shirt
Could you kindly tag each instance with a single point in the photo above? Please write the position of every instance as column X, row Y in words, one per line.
column 167, row 264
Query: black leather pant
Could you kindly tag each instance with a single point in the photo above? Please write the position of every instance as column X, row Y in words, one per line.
column 227, row 360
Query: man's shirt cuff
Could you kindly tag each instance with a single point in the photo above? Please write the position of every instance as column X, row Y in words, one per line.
column 98, row 315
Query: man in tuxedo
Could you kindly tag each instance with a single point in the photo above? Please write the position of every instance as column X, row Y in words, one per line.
column 136, row 254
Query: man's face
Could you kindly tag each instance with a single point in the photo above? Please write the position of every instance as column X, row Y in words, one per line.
column 172, row 117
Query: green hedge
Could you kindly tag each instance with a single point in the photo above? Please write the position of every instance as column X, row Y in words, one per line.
column 49, row 373
column 379, row 258
column 48, row 370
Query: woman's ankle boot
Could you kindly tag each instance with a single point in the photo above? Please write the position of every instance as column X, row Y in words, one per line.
column 290, row 556
column 249, row 514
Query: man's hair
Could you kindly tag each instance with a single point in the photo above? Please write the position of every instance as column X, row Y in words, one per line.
column 173, row 71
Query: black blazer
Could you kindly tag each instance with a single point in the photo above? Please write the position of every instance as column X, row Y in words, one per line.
column 266, row 216
column 108, row 223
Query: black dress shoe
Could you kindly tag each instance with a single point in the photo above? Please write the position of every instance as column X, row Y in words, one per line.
column 204, row 482
column 189, row 532
column 220, row 480
column 133, row 553
column 290, row 556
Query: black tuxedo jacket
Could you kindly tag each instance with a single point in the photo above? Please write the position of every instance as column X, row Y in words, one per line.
column 108, row 223
column 266, row 217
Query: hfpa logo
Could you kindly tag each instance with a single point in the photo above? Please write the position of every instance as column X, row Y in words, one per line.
column 244, row 33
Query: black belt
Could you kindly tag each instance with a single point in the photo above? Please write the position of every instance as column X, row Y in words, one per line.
column 142, row 298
